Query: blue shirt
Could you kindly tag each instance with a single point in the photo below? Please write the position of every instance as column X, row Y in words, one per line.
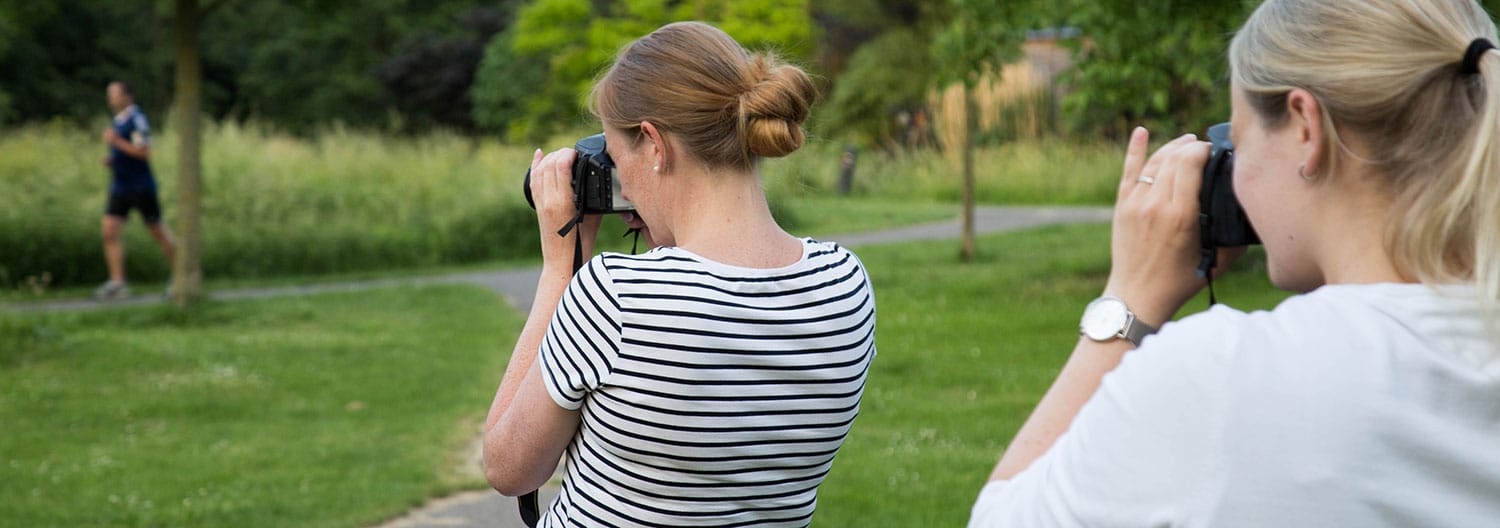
column 131, row 174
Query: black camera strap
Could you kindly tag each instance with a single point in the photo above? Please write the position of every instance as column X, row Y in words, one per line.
column 634, row 244
column 531, row 511
column 1209, row 255
column 577, row 240
column 527, row 503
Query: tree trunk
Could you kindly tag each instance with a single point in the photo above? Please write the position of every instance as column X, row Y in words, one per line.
column 966, row 248
column 187, row 271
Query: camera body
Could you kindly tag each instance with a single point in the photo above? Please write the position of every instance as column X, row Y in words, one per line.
column 1221, row 220
column 596, row 185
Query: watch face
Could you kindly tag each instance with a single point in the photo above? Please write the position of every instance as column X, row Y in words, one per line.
column 1104, row 319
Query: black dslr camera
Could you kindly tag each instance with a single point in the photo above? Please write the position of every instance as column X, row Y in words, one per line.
column 1221, row 220
column 596, row 187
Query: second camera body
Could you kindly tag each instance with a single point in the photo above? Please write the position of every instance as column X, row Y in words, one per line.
column 1222, row 219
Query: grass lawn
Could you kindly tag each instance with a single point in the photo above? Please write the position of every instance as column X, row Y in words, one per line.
column 344, row 409
column 330, row 410
column 965, row 352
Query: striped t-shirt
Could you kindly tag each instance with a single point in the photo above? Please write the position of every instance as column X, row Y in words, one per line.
column 710, row 395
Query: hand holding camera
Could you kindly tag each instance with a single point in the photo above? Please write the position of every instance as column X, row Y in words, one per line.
column 583, row 177
column 1173, row 208
column 549, row 189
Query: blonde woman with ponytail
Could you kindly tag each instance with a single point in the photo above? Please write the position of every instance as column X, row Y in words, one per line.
column 711, row 380
column 1366, row 159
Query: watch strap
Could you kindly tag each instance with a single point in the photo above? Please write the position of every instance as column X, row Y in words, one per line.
column 1136, row 330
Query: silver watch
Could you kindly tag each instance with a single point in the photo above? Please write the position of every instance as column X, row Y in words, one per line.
column 1107, row 319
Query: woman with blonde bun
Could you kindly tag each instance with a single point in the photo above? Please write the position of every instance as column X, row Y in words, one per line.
column 1366, row 159
column 711, row 380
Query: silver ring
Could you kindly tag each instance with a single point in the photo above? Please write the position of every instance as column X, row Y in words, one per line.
column 1146, row 180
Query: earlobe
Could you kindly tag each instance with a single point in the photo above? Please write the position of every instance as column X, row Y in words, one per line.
column 1306, row 113
column 659, row 146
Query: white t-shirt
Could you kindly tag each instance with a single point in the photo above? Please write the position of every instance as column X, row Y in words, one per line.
column 1358, row 405
column 710, row 395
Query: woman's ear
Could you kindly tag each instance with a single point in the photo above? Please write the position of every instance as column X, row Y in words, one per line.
column 660, row 149
column 1305, row 113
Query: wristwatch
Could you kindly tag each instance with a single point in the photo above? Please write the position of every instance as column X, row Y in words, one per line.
column 1107, row 319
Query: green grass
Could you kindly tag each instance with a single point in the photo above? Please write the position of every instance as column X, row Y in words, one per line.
column 965, row 352
column 341, row 410
column 349, row 202
column 330, row 410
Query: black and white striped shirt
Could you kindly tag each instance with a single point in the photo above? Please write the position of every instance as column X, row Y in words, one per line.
column 711, row 395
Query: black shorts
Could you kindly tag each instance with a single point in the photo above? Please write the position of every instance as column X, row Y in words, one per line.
column 120, row 204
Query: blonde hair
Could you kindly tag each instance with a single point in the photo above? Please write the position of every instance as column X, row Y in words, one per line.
column 1388, row 72
column 728, row 106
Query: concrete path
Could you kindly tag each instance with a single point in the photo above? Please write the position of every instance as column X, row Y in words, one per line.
column 485, row 508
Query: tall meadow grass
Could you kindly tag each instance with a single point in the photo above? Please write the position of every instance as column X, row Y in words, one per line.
column 351, row 201
column 1023, row 171
column 272, row 204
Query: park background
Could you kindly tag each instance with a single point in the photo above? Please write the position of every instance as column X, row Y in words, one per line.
column 350, row 140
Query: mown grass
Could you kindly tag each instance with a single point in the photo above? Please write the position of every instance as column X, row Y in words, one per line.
column 331, row 410
column 965, row 352
column 339, row 410
column 347, row 202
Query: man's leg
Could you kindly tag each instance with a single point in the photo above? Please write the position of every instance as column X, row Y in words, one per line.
column 114, row 249
column 163, row 238
column 114, row 257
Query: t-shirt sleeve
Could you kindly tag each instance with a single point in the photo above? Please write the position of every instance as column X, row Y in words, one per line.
column 1143, row 450
column 140, row 130
column 583, row 338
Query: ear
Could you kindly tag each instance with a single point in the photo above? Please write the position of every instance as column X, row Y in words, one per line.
column 1305, row 114
column 661, row 149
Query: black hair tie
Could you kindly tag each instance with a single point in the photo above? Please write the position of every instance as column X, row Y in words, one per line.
column 1472, row 55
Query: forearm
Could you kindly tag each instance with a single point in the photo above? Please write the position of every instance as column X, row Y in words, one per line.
column 1077, row 382
column 550, row 288
column 142, row 152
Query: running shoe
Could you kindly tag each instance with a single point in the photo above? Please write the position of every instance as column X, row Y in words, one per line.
column 112, row 290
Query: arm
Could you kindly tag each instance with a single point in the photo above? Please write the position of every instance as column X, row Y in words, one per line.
column 1154, row 253
column 113, row 139
column 526, row 431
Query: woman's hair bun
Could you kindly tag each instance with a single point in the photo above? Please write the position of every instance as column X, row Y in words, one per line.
column 727, row 105
column 772, row 111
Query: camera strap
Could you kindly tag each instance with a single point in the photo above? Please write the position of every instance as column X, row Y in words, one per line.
column 577, row 240
column 531, row 511
column 634, row 244
column 527, row 503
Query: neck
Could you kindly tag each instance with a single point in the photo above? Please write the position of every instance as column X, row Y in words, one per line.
column 1352, row 235
column 723, row 216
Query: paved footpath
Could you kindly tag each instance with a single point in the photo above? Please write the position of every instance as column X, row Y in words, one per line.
column 485, row 508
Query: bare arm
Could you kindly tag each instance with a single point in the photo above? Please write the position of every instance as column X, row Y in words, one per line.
column 1154, row 253
column 526, row 432
column 141, row 152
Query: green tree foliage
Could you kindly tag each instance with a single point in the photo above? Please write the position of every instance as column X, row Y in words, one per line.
column 430, row 75
column 874, row 57
column 889, row 74
column 317, row 64
column 57, row 56
column 1159, row 63
column 299, row 65
column 569, row 42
